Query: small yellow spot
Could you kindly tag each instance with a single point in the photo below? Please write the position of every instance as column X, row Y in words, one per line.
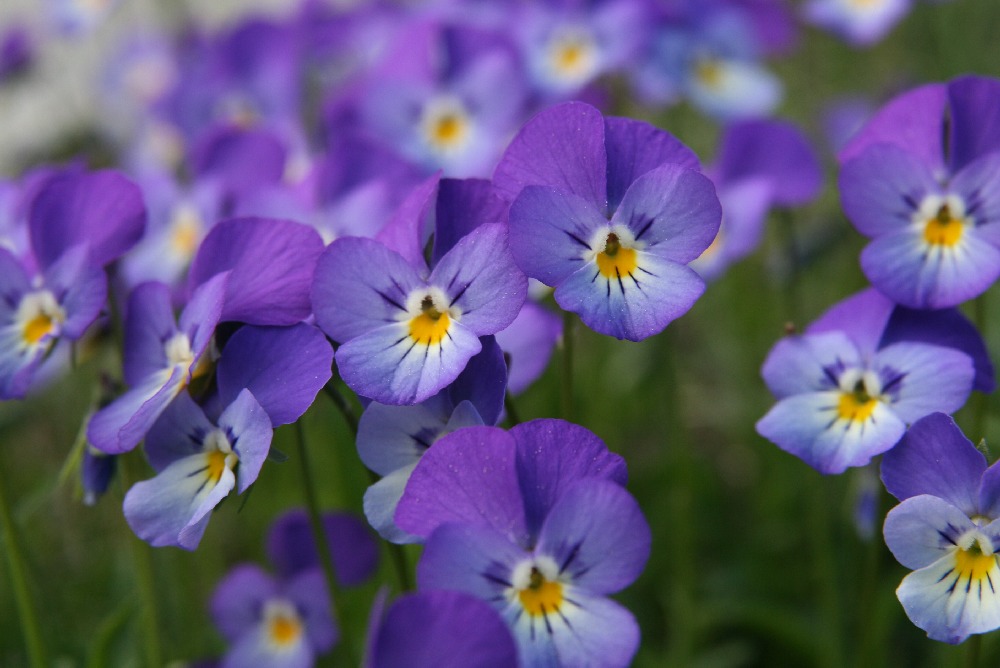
column 616, row 261
column 541, row 596
column 709, row 72
column 285, row 628
column 943, row 229
column 570, row 57
column 449, row 129
column 856, row 406
column 973, row 564
column 186, row 232
column 37, row 328
column 431, row 325
column 216, row 464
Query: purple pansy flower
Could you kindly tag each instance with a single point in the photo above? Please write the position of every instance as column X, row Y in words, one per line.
column 198, row 462
column 78, row 222
column 860, row 23
column 407, row 332
column 441, row 629
column 161, row 358
column 761, row 164
column 536, row 522
column 946, row 529
column 609, row 211
column 932, row 214
column 848, row 387
column 353, row 548
column 268, row 621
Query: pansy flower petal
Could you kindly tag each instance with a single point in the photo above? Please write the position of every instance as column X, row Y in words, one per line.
column 272, row 264
column 119, row 426
column 250, row 428
column 924, row 528
column 562, row 147
column 80, row 287
column 811, row 427
column 391, row 366
column 177, row 433
column 284, row 368
column 672, row 212
column 975, row 119
column 149, row 323
column 591, row 519
column 922, row 378
column 473, row 558
column 528, row 342
column 462, row 206
column 292, row 548
column 634, row 306
column 238, row 597
column 483, row 383
column 380, row 502
column 636, row 147
column 481, row 280
column 882, row 188
column 468, row 476
column 550, row 232
column 592, row 631
column 913, row 273
column 360, row 284
column 308, row 590
column 808, row 363
column 935, row 457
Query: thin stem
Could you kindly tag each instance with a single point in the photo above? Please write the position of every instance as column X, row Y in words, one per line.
column 322, row 546
column 786, row 227
column 343, row 406
column 567, row 367
column 19, row 579
column 142, row 561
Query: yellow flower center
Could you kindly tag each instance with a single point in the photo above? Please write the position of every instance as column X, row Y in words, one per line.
column 973, row 563
column 944, row 229
column 37, row 328
column 858, row 405
column 616, row 261
column 541, row 596
column 708, row 71
column 431, row 325
column 186, row 231
column 219, row 455
column 39, row 315
column 284, row 627
column 445, row 124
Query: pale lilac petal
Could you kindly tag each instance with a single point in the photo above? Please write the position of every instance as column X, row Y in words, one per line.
column 250, row 427
column 809, row 427
column 927, row 378
column 881, row 189
column 388, row 366
column 203, row 312
column 119, row 426
column 380, row 502
column 177, row 433
column 238, row 598
column 271, row 262
column 863, row 317
column 468, row 476
column 808, row 363
column 561, row 147
column 550, row 231
column 912, row 273
column 473, row 558
column 597, row 534
column 635, row 306
column 935, row 457
column 360, row 285
column 308, row 591
column 673, row 213
column 924, row 528
column 149, row 324
column 528, row 343
column 80, row 287
column 481, row 280
column 408, row 229
column 595, row 632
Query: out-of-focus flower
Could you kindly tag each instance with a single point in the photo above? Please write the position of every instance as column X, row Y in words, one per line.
column 860, row 22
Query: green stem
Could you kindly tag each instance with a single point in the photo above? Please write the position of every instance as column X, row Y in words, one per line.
column 142, row 561
column 974, row 651
column 343, row 406
column 322, row 546
column 567, row 367
column 825, row 571
column 19, row 579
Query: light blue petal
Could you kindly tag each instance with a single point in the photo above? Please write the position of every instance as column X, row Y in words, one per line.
column 924, row 528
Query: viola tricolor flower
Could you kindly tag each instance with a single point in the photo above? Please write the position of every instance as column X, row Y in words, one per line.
column 198, row 463
column 932, row 216
column 536, row 522
column 848, row 387
column 161, row 358
column 860, row 23
column 268, row 621
column 406, row 333
column 609, row 211
column 946, row 529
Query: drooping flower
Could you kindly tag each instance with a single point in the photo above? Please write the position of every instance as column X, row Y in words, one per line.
column 536, row 522
column 609, row 212
column 848, row 388
column 946, row 529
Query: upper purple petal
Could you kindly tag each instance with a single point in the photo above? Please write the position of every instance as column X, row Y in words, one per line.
column 462, row 206
column 974, row 106
column 102, row 209
column 271, row 262
column 292, row 549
